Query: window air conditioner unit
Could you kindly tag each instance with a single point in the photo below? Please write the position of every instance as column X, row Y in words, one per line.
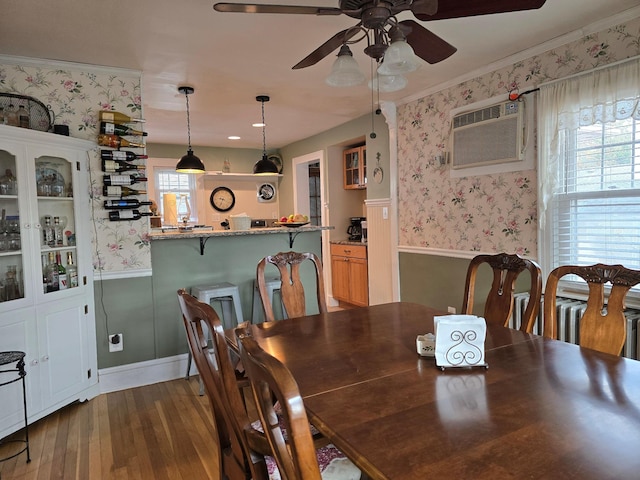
column 489, row 136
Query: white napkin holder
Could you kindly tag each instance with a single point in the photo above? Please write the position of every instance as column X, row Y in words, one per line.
column 460, row 341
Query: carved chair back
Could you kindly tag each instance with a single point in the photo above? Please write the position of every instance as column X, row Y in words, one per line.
column 292, row 289
column 270, row 379
column 602, row 326
column 499, row 305
column 242, row 448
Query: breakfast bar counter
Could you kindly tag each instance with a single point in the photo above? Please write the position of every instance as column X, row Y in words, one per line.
column 230, row 256
column 203, row 234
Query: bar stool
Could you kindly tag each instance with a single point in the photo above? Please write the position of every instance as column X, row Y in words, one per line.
column 228, row 295
column 273, row 286
column 16, row 357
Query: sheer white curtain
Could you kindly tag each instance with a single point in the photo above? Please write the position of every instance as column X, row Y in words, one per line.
column 589, row 162
column 602, row 95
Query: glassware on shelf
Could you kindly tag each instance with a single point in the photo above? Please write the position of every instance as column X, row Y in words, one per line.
column 11, row 287
column 184, row 209
column 49, row 181
column 8, row 183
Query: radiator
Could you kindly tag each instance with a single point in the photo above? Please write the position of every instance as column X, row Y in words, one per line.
column 569, row 313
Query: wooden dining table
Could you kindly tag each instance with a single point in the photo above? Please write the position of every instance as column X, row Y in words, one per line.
column 542, row 409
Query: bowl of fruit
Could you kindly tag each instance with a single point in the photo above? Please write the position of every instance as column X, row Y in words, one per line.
column 293, row 220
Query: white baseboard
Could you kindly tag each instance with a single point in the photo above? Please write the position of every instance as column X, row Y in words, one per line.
column 133, row 375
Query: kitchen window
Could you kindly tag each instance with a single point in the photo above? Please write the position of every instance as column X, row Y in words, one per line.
column 590, row 168
column 165, row 179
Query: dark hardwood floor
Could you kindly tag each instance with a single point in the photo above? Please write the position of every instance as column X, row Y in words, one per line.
column 160, row 431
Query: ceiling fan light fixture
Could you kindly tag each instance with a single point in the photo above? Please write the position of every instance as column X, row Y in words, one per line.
column 398, row 59
column 345, row 71
column 264, row 166
column 388, row 83
column 189, row 163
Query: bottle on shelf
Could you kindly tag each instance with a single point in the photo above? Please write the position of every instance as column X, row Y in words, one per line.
column 119, row 129
column 48, row 233
column 114, row 141
column 11, row 287
column 117, row 117
column 124, row 203
column 11, row 116
column 120, row 191
column 23, row 117
column 120, row 155
column 122, row 179
column 72, row 271
column 62, row 273
column 117, row 215
column 53, row 282
column 58, row 236
column 117, row 166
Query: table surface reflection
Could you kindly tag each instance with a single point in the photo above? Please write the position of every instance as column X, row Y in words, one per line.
column 543, row 408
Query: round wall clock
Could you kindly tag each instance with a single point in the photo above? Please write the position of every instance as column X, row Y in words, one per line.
column 266, row 192
column 222, row 199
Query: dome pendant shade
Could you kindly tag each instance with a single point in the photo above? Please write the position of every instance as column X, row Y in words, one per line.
column 264, row 166
column 190, row 163
column 398, row 59
column 345, row 71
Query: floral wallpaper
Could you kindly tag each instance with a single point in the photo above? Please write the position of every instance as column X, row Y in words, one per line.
column 488, row 213
column 75, row 94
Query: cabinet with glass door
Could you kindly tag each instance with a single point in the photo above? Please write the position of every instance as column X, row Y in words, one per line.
column 355, row 168
column 46, row 280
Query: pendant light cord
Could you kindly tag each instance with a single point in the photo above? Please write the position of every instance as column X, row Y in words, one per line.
column 186, row 94
column 264, row 136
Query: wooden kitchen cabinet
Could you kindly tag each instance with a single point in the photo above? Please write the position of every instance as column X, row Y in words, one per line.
column 349, row 274
column 355, row 168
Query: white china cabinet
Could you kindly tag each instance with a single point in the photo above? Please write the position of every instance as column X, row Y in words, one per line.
column 44, row 177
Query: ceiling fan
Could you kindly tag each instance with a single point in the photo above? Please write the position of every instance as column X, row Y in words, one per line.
column 378, row 23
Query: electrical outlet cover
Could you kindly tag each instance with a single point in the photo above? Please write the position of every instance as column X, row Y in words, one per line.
column 116, row 347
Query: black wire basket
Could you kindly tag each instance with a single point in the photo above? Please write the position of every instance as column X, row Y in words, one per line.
column 40, row 116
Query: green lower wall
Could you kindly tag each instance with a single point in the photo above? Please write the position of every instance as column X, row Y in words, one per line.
column 145, row 309
column 438, row 281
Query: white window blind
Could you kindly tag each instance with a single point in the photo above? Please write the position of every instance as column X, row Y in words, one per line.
column 596, row 207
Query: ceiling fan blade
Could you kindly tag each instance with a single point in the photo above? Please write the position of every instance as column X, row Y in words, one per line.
column 326, row 48
column 427, row 45
column 256, row 8
column 424, row 7
column 471, row 8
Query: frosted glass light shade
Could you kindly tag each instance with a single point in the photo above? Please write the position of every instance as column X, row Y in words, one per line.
column 398, row 59
column 345, row 71
column 387, row 83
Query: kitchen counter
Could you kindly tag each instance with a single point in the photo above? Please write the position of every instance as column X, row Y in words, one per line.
column 347, row 242
column 161, row 234
column 205, row 233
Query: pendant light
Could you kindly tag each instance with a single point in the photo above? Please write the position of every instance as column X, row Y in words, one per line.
column 189, row 163
column 264, row 166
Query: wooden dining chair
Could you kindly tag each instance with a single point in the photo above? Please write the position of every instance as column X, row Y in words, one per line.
column 499, row 305
column 293, row 448
column 602, row 326
column 292, row 289
column 241, row 447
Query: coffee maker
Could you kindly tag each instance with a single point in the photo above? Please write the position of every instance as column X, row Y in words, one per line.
column 355, row 229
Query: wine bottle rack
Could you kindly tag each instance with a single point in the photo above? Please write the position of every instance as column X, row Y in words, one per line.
column 118, row 167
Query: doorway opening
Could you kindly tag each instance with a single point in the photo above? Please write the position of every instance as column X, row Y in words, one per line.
column 315, row 205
